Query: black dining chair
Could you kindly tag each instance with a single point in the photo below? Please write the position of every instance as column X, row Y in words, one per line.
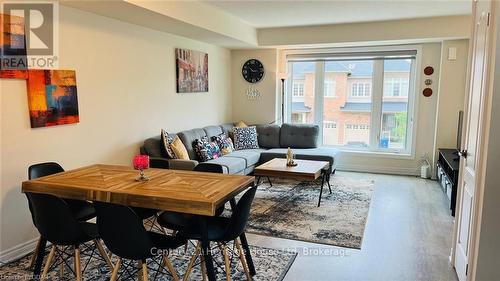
column 57, row 223
column 177, row 221
column 222, row 230
column 81, row 210
column 123, row 232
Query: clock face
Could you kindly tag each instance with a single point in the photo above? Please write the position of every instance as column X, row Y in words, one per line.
column 252, row 71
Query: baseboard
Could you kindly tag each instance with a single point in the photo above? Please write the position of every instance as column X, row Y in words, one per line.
column 378, row 169
column 18, row 251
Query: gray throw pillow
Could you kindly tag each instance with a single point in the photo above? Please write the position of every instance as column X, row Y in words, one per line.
column 245, row 138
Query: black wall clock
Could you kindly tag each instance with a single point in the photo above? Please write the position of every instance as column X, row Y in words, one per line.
column 252, row 71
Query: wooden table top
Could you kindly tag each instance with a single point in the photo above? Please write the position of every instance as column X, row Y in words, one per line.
column 305, row 170
column 170, row 190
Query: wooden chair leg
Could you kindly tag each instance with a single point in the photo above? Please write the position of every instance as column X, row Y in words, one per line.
column 48, row 263
column 103, row 253
column 61, row 266
column 191, row 262
column 78, row 269
column 226, row 262
column 170, row 267
column 243, row 259
column 35, row 253
column 144, row 270
column 116, row 268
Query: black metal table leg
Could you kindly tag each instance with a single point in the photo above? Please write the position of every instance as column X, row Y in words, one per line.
column 258, row 181
column 39, row 257
column 328, row 181
column 244, row 244
column 207, row 255
column 269, row 180
column 321, row 190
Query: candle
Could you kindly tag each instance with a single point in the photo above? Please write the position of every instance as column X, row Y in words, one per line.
column 141, row 162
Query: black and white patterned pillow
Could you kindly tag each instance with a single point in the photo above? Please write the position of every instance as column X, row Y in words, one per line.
column 245, row 138
column 167, row 140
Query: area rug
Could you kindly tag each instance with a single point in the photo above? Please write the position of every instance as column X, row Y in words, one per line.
column 289, row 210
column 270, row 264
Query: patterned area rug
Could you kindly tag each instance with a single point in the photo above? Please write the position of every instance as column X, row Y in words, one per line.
column 270, row 264
column 289, row 210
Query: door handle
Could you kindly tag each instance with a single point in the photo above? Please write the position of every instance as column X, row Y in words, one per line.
column 463, row 153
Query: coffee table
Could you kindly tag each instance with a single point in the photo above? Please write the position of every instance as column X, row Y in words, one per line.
column 306, row 170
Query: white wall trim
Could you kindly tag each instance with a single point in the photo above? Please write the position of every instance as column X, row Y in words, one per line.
column 378, row 169
column 18, row 251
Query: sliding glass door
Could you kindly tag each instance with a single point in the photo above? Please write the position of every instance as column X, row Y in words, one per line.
column 359, row 103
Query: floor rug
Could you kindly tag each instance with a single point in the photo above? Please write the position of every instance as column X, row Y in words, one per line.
column 270, row 264
column 289, row 210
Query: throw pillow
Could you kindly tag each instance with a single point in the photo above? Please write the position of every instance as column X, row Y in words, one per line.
column 206, row 150
column 167, row 144
column 225, row 143
column 240, row 124
column 245, row 138
column 179, row 149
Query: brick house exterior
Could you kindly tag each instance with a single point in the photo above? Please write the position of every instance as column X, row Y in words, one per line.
column 347, row 103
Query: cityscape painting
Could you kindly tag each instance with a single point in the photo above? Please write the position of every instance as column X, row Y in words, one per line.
column 13, row 56
column 52, row 97
column 192, row 71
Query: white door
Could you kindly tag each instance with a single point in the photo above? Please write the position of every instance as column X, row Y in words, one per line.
column 473, row 131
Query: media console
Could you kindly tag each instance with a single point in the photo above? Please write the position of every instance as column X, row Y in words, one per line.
column 447, row 174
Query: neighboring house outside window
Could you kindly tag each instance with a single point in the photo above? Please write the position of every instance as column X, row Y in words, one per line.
column 361, row 89
column 330, row 87
column 298, row 89
column 396, row 87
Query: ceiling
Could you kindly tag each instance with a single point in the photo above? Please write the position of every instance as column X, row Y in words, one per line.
column 269, row 13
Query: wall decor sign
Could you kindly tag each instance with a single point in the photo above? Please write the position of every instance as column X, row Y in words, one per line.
column 191, row 70
column 52, row 97
column 13, row 55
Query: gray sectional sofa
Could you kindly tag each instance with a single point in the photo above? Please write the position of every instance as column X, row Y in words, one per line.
column 273, row 143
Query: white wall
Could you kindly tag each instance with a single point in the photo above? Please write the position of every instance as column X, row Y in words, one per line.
column 126, row 93
column 263, row 110
column 452, row 89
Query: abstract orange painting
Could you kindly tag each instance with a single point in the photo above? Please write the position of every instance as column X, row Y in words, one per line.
column 52, row 97
column 13, row 56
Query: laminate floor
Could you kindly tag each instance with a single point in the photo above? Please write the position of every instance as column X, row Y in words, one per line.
column 408, row 236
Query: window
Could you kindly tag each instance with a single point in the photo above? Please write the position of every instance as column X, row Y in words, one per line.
column 329, row 125
column 396, row 86
column 372, row 107
column 298, row 89
column 361, row 89
column 330, row 87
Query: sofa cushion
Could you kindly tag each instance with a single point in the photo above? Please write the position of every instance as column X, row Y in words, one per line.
column 167, row 141
column 245, row 138
column 251, row 156
column 212, row 131
column 179, row 149
column 232, row 165
column 225, row 143
column 227, row 128
column 320, row 154
column 206, row 150
column 268, row 136
column 299, row 135
column 153, row 147
column 188, row 137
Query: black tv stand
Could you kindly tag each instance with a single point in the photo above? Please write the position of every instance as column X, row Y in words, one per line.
column 447, row 174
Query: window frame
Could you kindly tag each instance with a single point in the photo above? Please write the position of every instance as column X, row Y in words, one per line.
column 412, row 110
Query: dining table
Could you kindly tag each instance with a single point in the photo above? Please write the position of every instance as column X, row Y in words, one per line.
column 189, row 192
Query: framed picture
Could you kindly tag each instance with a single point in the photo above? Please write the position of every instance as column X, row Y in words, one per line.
column 13, row 56
column 52, row 97
column 192, row 71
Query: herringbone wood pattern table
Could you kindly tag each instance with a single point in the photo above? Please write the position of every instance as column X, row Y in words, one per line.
column 169, row 190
